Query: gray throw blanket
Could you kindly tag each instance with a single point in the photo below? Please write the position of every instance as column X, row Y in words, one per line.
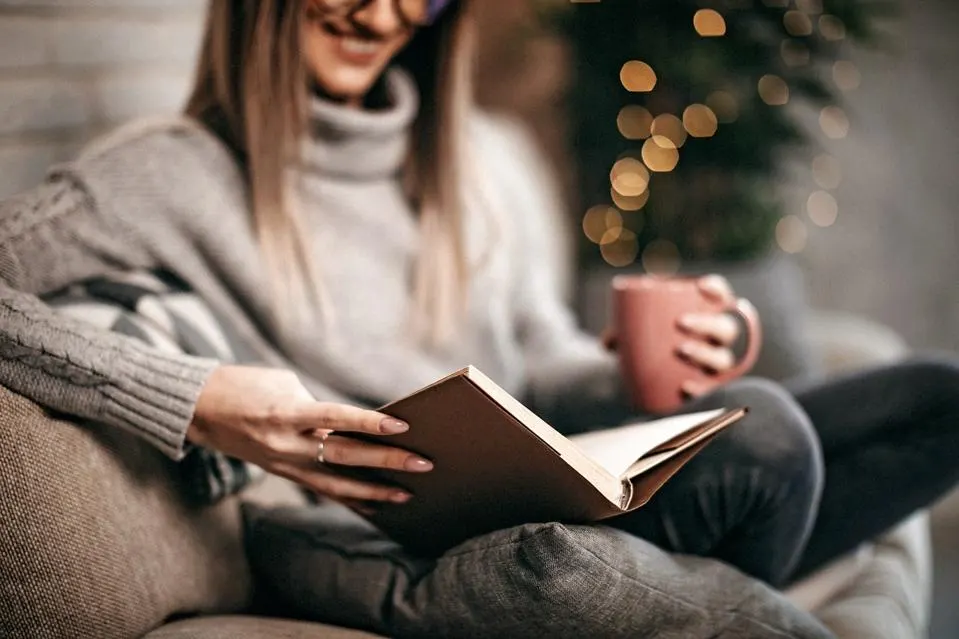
column 159, row 309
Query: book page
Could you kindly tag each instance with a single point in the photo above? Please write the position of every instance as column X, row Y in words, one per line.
column 618, row 449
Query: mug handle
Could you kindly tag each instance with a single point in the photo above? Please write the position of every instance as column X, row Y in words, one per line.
column 754, row 338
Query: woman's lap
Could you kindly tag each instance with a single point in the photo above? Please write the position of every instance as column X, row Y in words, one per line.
column 890, row 437
column 749, row 497
column 811, row 472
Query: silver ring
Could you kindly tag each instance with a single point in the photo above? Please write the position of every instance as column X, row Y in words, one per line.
column 321, row 448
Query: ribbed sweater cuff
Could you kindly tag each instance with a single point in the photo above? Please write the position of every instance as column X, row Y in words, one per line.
column 155, row 394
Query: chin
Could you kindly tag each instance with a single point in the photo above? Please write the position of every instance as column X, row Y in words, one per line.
column 348, row 86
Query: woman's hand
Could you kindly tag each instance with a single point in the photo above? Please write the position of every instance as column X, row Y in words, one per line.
column 710, row 335
column 268, row 418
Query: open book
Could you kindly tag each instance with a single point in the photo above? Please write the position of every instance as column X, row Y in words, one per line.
column 499, row 465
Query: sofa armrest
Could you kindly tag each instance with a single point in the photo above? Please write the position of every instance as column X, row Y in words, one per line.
column 891, row 595
column 847, row 342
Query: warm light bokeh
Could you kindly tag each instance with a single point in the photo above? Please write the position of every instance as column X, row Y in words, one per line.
column 709, row 23
column 634, row 122
column 661, row 257
column 599, row 220
column 660, row 154
column 629, row 177
column 773, row 90
column 826, row 171
column 822, row 209
column 637, row 77
column 724, row 105
column 834, row 122
column 700, row 121
column 670, row 127
column 629, row 203
column 797, row 23
column 832, row 28
column 791, row 234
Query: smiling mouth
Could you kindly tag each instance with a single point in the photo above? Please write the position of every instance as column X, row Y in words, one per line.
column 359, row 46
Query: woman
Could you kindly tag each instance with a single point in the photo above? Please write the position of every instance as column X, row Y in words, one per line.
column 335, row 196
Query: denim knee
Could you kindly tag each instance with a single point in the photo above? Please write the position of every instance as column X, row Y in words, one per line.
column 776, row 436
column 932, row 379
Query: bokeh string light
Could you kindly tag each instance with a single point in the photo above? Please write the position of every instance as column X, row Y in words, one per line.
column 846, row 75
column 629, row 203
column 660, row 154
column 637, row 77
column 629, row 177
column 809, row 6
column 621, row 251
column 661, row 257
column 832, row 28
column 599, row 220
column 670, row 127
column 709, row 23
column 634, row 122
column 661, row 129
column 834, row 123
column 822, row 208
column 794, row 53
column 725, row 105
column 773, row 90
column 791, row 234
column 827, row 171
column 700, row 121
column 797, row 23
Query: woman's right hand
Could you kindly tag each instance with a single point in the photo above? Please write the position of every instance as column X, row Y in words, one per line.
column 268, row 418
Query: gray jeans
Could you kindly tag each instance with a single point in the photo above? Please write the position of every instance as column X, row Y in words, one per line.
column 813, row 471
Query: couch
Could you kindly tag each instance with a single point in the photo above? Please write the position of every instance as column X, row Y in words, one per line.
column 98, row 541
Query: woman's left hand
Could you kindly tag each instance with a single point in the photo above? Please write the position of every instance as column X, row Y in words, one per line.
column 711, row 335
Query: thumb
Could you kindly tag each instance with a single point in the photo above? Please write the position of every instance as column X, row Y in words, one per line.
column 716, row 287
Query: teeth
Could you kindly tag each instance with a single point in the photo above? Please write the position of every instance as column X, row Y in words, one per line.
column 358, row 45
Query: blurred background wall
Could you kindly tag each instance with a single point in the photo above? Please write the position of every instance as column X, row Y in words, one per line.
column 894, row 250
column 70, row 69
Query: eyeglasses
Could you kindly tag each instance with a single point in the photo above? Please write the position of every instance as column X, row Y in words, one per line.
column 417, row 13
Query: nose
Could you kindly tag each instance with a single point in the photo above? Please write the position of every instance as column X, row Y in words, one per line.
column 379, row 17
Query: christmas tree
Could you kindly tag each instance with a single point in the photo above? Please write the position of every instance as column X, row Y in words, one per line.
column 680, row 116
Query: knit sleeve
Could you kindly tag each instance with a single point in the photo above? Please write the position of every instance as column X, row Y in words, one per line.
column 54, row 236
column 572, row 380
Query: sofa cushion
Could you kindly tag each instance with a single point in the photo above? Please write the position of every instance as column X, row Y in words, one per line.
column 242, row 627
column 97, row 541
column 159, row 309
column 543, row 580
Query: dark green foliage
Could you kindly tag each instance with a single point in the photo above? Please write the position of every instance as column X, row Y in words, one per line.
column 719, row 202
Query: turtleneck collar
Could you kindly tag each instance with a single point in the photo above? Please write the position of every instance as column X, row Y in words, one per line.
column 362, row 144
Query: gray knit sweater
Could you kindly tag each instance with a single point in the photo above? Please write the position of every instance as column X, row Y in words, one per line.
column 169, row 195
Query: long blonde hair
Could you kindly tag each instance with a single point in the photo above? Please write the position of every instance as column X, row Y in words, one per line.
column 251, row 91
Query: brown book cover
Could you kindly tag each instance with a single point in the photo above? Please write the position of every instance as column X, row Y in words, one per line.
column 499, row 465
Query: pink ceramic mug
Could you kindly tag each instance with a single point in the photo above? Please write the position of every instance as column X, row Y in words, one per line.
column 646, row 311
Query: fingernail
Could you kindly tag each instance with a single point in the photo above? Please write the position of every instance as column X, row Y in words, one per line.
column 418, row 465
column 686, row 348
column 392, row 426
column 400, row 498
column 684, row 322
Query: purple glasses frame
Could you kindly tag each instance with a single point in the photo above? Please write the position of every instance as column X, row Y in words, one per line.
column 434, row 8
